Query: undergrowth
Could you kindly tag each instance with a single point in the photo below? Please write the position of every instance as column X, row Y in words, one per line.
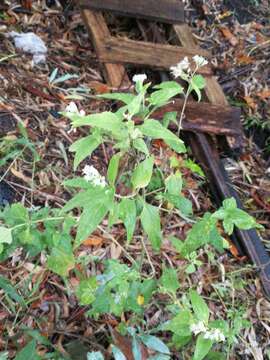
column 132, row 194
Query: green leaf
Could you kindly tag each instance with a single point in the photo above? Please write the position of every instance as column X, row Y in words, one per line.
column 61, row 260
column 154, row 343
column 150, row 220
column 203, row 346
column 174, row 184
column 106, row 121
column 5, row 235
column 169, row 280
column 86, row 291
column 168, row 118
column 10, row 290
column 78, row 182
column 134, row 107
column 166, row 91
column 155, row 130
column 113, row 168
column 181, row 203
column 28, row 352
column 214, row 355
column 128, row 214
column 197, row 84
column 195, row 168
column 180, row 324
column 96, row 202
column 95, row 356
column 232, row 216
column 4, row 355
column 200, row 234
column 140, row 145
column 124, row 97
column 93, row 214
column 199, row 306
column 117, row 353
column 143, row 173
column 84, row 148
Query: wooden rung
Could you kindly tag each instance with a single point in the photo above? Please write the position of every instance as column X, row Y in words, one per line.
column 205, row 117
column 159, row 56
column 168, row 11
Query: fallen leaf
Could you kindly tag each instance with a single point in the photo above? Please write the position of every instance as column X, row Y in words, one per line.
column 264, row 94
column 250, row 102
column 99, row 87
column 244, row 59
column 21, row 176
column 125, row 345
column 229, row 36
column 93, row 241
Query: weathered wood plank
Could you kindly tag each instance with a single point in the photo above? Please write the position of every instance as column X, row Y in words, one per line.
column 168, row 11
column 160, row 56
column 96, row 25
column 205, row 117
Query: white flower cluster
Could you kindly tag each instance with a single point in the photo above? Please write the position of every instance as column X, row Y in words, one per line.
column 139, row 78
column 212, row 334
column 198, row 328
column 72, row 108
column 215, row 335
column 92, row 175
column 184, row 65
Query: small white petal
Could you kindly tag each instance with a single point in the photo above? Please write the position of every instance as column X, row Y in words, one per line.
column 72, row 108
column 200, row 60
column 139, row 78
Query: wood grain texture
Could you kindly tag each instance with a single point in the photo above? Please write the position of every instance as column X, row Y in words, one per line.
column 159, row 56
column 98, row 30
column 168, row 11
column 205, row 117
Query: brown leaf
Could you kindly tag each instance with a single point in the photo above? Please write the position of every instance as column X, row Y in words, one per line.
column 244, row 59
column 264, row 94
column 21, row 176
column 229, row 36
column 99, row 87
column 125, row 345
column 250, row 102
column 93, row 241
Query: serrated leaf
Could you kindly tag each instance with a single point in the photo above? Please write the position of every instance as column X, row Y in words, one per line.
column 150, row 220
column 183, row 204
column 169, row 280
column 86, row 291
column 128, row 214
column 199, row 306
column 154, row 343
column 180, row 324
column 203, row 346
column 155, row 130
column 84, row 148
column 113, row 168
column 142, row 174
